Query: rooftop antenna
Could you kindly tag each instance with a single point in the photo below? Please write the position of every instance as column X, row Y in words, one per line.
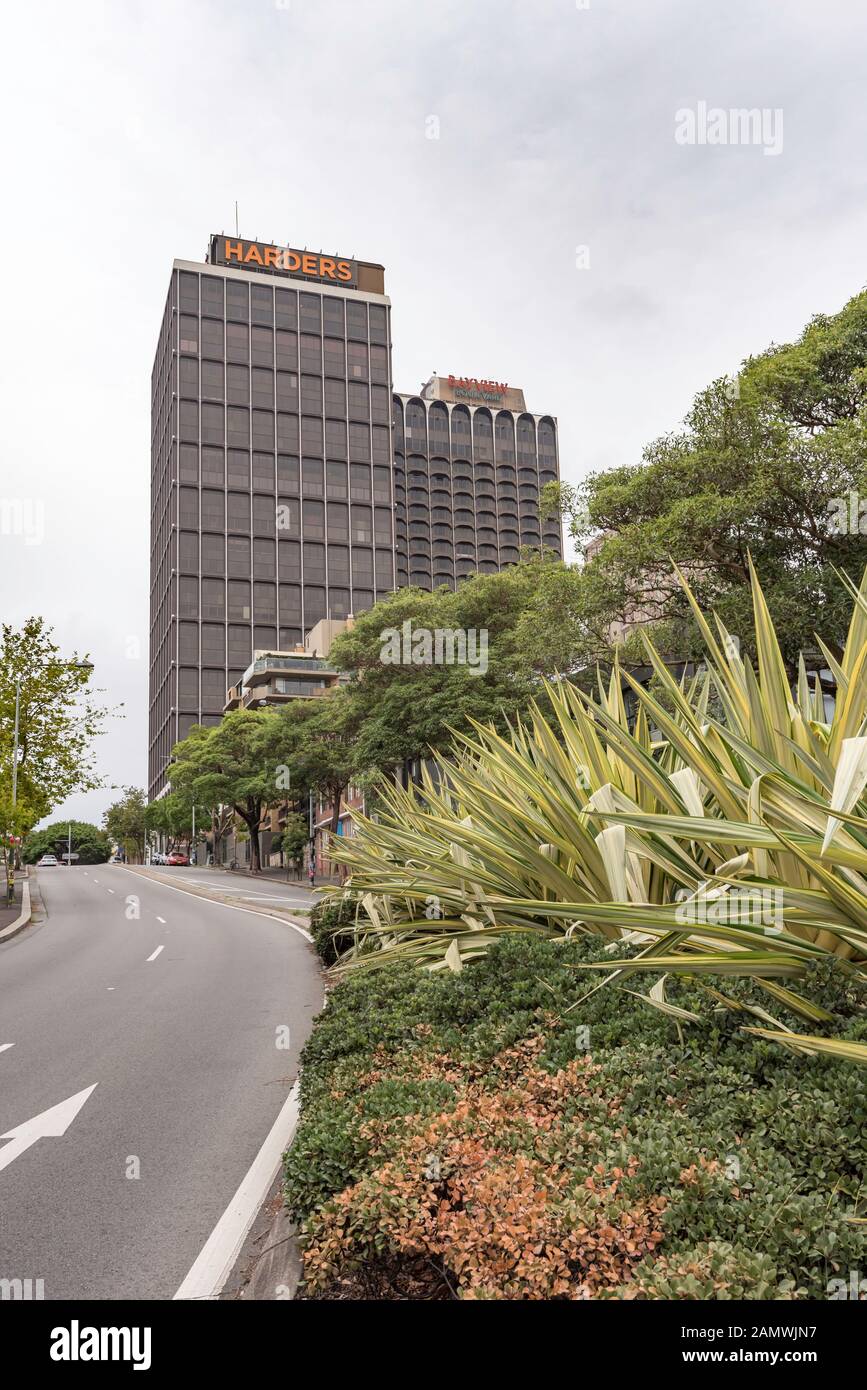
column 237, row 232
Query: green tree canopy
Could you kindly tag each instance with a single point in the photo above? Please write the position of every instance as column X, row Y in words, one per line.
column 755, row 470
column 126, row 822
column 91, row 844
column 58, row 719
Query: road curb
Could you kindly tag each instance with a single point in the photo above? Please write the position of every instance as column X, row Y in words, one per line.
column 24, row 919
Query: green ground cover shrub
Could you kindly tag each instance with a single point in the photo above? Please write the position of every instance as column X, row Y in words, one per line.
column 483, row 1127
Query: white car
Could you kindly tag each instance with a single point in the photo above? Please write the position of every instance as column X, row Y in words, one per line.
column 48, row 861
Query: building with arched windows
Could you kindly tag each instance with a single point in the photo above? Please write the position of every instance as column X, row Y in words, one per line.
column 469, row 464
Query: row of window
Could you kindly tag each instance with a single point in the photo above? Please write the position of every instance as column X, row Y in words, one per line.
column 264, row 347
column 268, row 305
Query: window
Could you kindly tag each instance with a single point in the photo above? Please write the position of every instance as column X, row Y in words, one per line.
column 213, row 643
column 213, row 295
column 213, row 689
column 311, row 436
column 239, row 598
column 212, row 338
column 314, row 520
column 286, row 308
column 290, row 559
column 338, row 521
column 238, row 468
column 262, row 347
column 382, row 526
column 237, row 385
column 381, row 444
column 335, row 479
column 287, row 391
column 212, row 380
column 384, row 570
column 188, row 598
column 188, row 550
column 290, row 603
column 359, row 401
column 237, row 342
column 382, row 485
column 213, row 600
column 288, row 515
column 213, row 554
column 188, row 687
column 261, row 304
column 287, row 432
column 237, row 426
column 237, row 301
column 359, row 442
column 188, row 377
column 310, row 308
column 362, row 567
column 335, row 357
column 311, row 394
column 356, row 320
column 311, row 353
column 264, row 560
column 335, row 439
column 263, row 472
column 263, row 429
column 287, row 351
column 333, row 319
column 188, row 420
column 262, row 384
column 338, row 562
column 265, row 603
column 379, row 365
column 188, row 641
column 314, row 563
column 335, row 398
column 287, row 473
column 356, row 357
column 213, row 509
column 311, row 478
column 359, row 475
column 238, row 512
column 188, row 337
column 240, row 645
column 238, row 556
column 361, row 524
column 378, row 324
column 188, row 463
column 211, row 424
column 264, row 516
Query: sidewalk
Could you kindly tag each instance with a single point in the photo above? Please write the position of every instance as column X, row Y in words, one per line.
column 10, row 915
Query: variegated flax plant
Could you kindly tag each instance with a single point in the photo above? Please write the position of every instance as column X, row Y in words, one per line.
column 720, row 830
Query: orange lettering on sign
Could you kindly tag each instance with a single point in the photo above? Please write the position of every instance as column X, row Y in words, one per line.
column 272, row 255
column 292, row 260
column 344, row 270
column 254, row 254
column 327, row 268
column 234, row 250
column 308, row 264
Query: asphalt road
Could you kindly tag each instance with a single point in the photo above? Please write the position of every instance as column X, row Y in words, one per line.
column 258, row 889
column 183, row 1051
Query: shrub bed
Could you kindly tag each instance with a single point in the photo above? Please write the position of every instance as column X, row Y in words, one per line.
column 477, row 1136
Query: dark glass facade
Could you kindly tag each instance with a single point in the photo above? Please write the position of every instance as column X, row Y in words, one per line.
column 271, row 498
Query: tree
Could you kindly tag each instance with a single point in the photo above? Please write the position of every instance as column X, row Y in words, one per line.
column 227, row 765
column 58, row 719
column 402, row 708
column 292, row 840
column 772, row 465
column 126, row 822
column 91, row 844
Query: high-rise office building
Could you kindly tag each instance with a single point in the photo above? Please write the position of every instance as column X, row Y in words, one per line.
column 469, row 464
column 271, row 404
column 289, row 484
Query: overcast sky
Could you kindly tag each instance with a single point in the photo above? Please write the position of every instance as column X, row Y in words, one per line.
column 514, row 166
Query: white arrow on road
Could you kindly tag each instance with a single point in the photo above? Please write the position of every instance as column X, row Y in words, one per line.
column 51, row 1124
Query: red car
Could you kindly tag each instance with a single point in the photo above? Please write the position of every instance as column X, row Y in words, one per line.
column 177, row 858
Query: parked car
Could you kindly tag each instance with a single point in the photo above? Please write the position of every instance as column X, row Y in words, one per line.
column 176, row 857
column 158, row 858
column 48, row 861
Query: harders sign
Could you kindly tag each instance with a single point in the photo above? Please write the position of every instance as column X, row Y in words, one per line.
column 283, row 260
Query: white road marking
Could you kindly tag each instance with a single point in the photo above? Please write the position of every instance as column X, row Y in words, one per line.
column 214, row 1263
column 5, row 1046
column 111, row 890
column 50, row 1124
column 155, row 954
column 173, row 888
column 110, row 988
column 162, row 919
